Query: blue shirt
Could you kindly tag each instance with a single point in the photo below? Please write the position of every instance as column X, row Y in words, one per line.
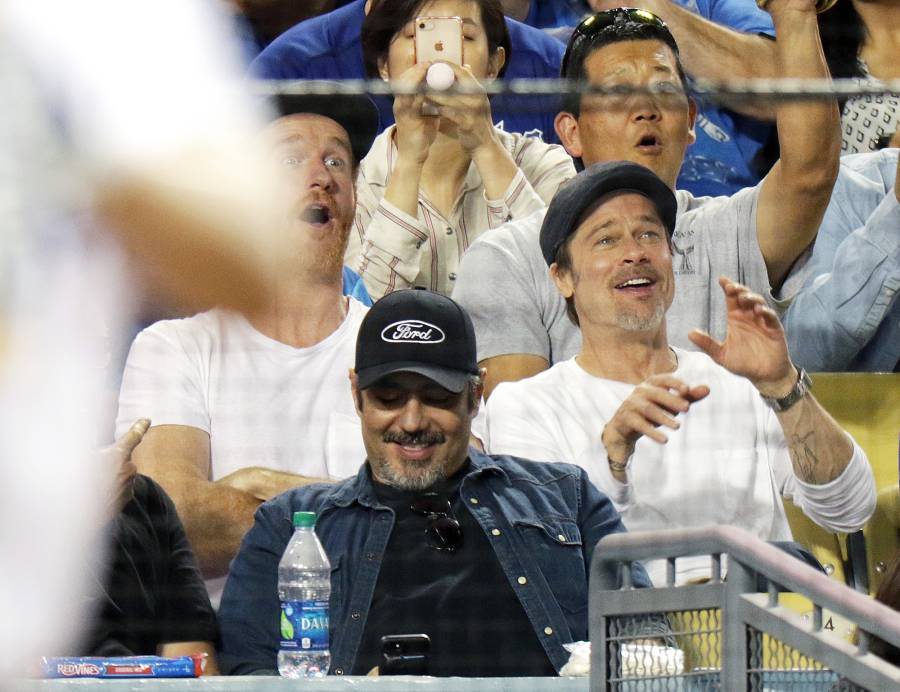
column 544, row 520
column 353, row 286
column 328, row 47
column 720, row 161
column 846, row 315
column 550, row 14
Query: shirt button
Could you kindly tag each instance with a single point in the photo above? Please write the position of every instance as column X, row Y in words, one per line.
column 418, row 244
column 338, row 671
column 495, row 532
column 522, row 581
column 473, row 500
column 561, row 538
column 449, row 231
column 370, row 556
column 355, row 615
column 452, row 276
column 548, row 631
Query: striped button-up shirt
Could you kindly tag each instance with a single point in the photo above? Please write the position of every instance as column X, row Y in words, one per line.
column 391, row 249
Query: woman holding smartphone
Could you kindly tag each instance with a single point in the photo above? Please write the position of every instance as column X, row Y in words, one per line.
column 444, row 173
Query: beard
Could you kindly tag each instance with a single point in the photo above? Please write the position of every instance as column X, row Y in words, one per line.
column 411, row 475
column 327, row 259
column 633, row 322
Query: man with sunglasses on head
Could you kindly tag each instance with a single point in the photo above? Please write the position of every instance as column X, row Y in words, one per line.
column 488, row 555
column 754, row 235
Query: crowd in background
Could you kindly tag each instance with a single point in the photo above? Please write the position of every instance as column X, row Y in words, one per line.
column 484, row 202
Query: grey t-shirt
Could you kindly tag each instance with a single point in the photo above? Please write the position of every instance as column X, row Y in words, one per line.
column 504, row 283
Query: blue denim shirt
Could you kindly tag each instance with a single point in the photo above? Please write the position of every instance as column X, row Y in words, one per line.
column 549, row 517
column 845, row 315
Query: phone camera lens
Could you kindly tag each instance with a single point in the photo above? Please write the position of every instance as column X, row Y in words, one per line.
column 421, row 25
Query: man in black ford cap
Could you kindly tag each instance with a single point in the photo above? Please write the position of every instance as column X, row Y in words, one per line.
column 676, row 438
column 487, row 555
column 244, row 409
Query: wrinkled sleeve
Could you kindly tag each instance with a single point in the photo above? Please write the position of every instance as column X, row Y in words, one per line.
column 163, row 381
column 542, row 169
column 843, row 505
column 840, row 307
column 249, row 613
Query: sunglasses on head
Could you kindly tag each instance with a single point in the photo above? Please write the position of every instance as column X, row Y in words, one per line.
column 590, row 27
column 444, row 532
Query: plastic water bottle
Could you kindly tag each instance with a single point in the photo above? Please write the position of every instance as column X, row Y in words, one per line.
column 304, row 587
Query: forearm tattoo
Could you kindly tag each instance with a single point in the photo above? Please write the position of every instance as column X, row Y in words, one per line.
column 806, row 461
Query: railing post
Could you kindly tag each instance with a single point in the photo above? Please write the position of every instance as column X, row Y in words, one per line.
column 735, row 641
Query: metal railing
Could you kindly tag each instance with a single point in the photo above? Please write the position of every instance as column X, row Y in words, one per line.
column 724, row 634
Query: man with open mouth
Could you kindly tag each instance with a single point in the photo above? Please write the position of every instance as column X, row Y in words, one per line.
column 676, row 438
column 754, row 235
column 245, row 408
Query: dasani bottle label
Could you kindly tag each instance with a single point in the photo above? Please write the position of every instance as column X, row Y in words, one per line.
column 304, row 625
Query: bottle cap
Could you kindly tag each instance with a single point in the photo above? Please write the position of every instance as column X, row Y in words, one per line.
column 304, row 520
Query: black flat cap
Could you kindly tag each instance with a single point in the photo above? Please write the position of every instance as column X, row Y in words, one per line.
column 576, row 195
column 356, row 113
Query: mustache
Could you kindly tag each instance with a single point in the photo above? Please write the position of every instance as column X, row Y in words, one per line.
column 643, row 273
column 420, row 437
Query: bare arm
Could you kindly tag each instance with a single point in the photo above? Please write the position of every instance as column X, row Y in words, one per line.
column 714, row 51
column 510, row 368
column 216, row 515
column 797, row 190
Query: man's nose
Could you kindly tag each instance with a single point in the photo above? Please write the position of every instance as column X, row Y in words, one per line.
column 318, row 175
column 646, row 107
column 411, row 417
column 634, row 252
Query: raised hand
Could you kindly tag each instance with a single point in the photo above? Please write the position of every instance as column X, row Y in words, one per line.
column 754, row 345
column 470, row 113
column 118, row 455
column 415, row 131
column 652, row 404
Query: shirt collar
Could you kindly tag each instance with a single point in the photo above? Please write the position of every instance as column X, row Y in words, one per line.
column 359, row 488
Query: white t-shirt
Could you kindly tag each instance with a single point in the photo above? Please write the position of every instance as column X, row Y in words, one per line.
column 263, row 403
column 728, row 463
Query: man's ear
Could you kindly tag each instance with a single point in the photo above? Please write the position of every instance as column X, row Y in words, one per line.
column 496, row 63
column 692, row 117
column 563, row 280
column 383, row 69
column 569, row 133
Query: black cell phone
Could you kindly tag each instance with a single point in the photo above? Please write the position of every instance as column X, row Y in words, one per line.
column 404, row 654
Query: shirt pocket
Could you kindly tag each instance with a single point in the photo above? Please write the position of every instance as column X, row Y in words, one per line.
column 338, row 589
column 344, row 450
column 555, row 545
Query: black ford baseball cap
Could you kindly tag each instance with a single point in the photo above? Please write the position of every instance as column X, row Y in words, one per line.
column 356, row 113
column 578, row 194
column 420, row 331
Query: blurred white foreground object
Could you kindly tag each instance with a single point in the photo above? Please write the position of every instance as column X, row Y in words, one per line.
column 132, row 111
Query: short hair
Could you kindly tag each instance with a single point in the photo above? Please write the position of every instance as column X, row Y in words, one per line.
column 583, row 44
column 563, row 262
column 386, row 19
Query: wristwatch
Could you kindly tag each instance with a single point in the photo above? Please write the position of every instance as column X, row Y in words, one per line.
column 800, row 389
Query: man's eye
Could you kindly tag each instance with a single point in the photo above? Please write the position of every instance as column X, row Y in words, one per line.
column 290, row 161
column 604, row 241
column 335, row 162
column 651, row 235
